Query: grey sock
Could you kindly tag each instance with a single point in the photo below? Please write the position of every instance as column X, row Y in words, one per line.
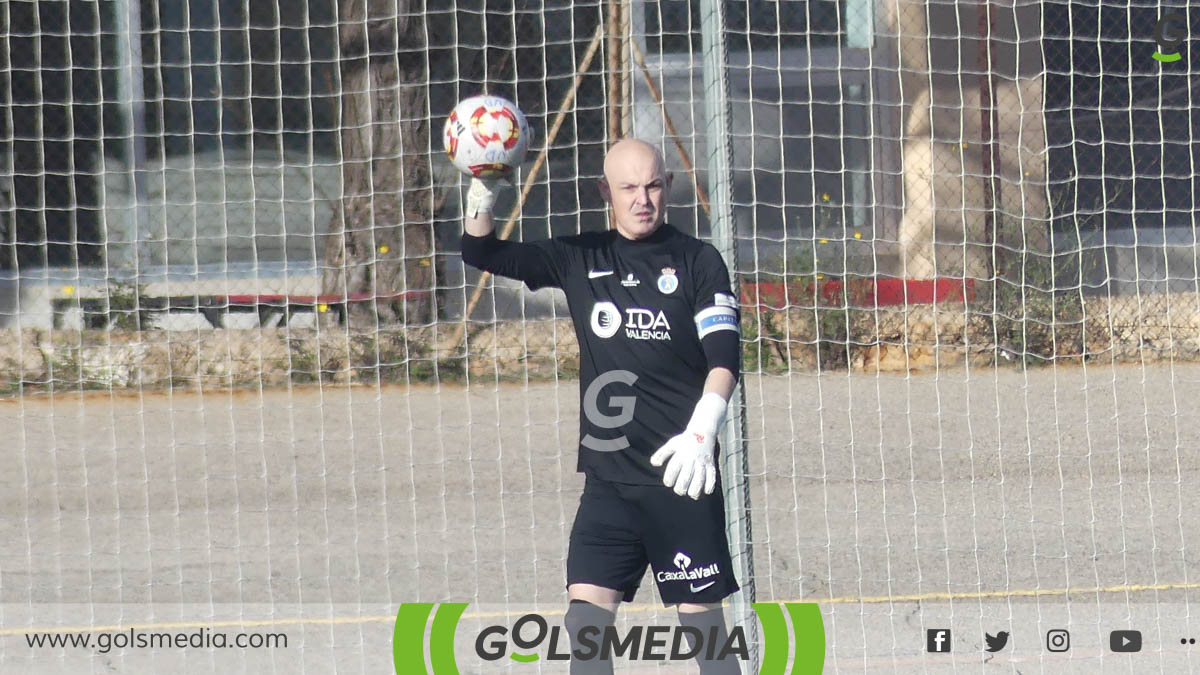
column 583, row 615
column 711, row 625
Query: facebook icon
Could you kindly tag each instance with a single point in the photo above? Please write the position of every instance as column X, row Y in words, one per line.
column 937, row 639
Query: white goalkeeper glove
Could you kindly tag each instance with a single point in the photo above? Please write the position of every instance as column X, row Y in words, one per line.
column 691, row 467
column 481, row 197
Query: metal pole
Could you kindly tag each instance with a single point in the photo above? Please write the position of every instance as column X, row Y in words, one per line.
column 734, row 461
column 132, row 100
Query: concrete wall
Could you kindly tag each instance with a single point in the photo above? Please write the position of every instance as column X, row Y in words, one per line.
column 222, row 207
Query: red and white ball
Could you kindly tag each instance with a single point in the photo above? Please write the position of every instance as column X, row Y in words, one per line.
column 486, row 136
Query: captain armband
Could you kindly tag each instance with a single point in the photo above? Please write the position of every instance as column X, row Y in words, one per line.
column 721, row 316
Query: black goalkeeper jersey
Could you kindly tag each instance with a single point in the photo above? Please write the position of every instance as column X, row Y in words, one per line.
column 643, row 311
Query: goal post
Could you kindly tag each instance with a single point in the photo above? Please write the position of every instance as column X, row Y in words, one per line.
column 735, row 461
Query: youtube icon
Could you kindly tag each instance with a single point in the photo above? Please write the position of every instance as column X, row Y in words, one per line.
column 1125, row 641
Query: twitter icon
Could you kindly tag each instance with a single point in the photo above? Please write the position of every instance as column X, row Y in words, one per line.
column 996, row 642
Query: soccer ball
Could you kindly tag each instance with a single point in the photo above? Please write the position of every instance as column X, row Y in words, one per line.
column 486, row 136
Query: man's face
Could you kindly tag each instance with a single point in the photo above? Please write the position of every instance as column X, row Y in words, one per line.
column 636, row 187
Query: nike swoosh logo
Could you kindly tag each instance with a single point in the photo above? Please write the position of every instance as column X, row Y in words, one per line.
column 599, row 273
column 697, row 590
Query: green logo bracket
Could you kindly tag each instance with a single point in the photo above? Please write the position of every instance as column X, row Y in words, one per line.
column 408, row 638
column 807, row 634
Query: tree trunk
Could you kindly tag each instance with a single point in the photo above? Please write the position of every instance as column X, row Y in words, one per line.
column 380, row 240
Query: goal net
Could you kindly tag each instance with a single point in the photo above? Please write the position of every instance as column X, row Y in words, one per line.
column 255, row 399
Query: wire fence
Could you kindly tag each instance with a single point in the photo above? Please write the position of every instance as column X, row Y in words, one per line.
column 1019, row 170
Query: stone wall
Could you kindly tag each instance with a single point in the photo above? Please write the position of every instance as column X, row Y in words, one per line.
column 943, row 337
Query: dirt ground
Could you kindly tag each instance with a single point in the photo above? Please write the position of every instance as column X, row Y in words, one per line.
column 973, row 496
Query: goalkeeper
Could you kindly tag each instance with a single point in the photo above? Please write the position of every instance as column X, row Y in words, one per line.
column 659, row 346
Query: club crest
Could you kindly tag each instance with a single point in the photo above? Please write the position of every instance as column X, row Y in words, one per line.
column 667, row 281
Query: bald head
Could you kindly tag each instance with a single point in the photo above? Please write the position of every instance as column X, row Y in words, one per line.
column 630, row 153
column 636, row 184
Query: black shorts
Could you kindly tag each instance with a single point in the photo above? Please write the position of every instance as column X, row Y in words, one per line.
column 621, row 528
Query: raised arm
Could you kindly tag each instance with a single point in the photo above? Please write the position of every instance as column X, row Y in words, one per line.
column 538, row 264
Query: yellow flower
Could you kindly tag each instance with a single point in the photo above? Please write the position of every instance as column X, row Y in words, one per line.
column 322, row 307
column 824, row 241
column 68, row 290
column 858, row 235
column 825, row 197
column 820, row 276
column 423, row 262
column 383, row 248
